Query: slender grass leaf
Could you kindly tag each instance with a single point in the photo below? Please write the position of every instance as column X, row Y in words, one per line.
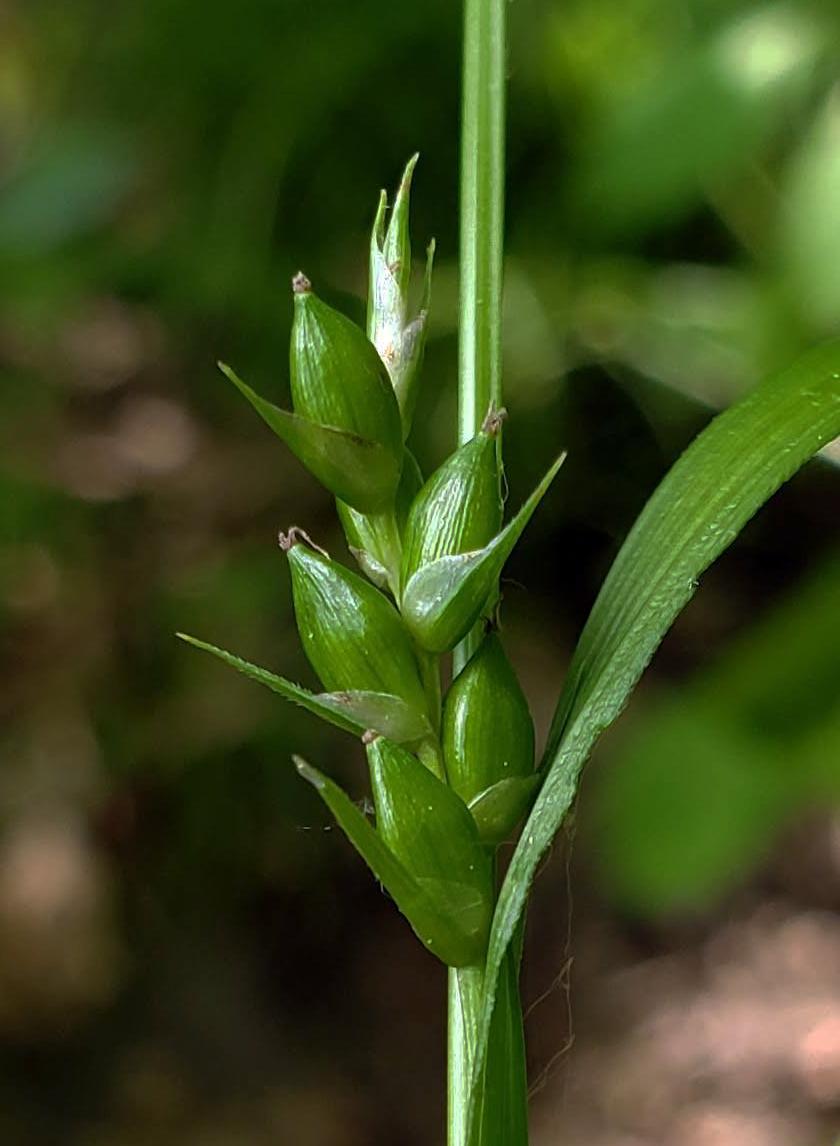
column 721, row 480
column 352, row 711
column 361, row 472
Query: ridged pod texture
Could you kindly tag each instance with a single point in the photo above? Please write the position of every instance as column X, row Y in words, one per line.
column 337, row 377
column 459, row 509
column 488, row 733
column 352, row 634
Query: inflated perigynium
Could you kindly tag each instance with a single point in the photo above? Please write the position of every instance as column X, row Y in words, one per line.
column 352, row 634
column 428, row 828
column 459, row 509
column 424, row 850
column 447, row 585
column 345, row 426
column 337, row 378
column 488, row 741
column 398, row 339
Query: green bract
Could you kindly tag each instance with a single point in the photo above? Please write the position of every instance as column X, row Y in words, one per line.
column 498, row 809
column 353, row 710
column 398, row 339
column 352, row 634
column 488, row 740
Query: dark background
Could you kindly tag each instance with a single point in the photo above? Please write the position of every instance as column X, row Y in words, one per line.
column 187, row 951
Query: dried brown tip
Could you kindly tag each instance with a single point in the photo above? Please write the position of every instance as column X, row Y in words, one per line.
column 493, row 421
column 286, row 541
column 301, row 284
column 371, row 736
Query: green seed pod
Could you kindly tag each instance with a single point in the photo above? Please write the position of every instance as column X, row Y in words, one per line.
column 442, row 601
column 429, row 830
column 346, row 424
column 375, row 539
column 399, row 340
column 352, row 634
column 459, row 509
column 451, row 918
column 487, row 731
column 337, row 378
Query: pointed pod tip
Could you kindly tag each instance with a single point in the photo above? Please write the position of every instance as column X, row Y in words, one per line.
column 301, row 284
column 405, row 183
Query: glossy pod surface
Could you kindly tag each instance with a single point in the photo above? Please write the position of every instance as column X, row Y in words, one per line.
column 351, row 633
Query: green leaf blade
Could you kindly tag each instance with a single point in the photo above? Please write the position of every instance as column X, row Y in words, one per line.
column 712, row 491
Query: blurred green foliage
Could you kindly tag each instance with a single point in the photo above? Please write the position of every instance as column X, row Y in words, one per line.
column 713, row 771
column 165, row 167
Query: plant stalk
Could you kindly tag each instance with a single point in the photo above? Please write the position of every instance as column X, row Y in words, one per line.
column 482, row 213
column 502, row 1103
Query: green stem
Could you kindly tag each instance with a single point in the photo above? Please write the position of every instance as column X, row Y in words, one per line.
column 482, row 226
column 465, row 989
column 482, row 213
column 503, row 1101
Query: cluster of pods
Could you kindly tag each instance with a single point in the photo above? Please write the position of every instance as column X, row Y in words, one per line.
column 451, row 775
